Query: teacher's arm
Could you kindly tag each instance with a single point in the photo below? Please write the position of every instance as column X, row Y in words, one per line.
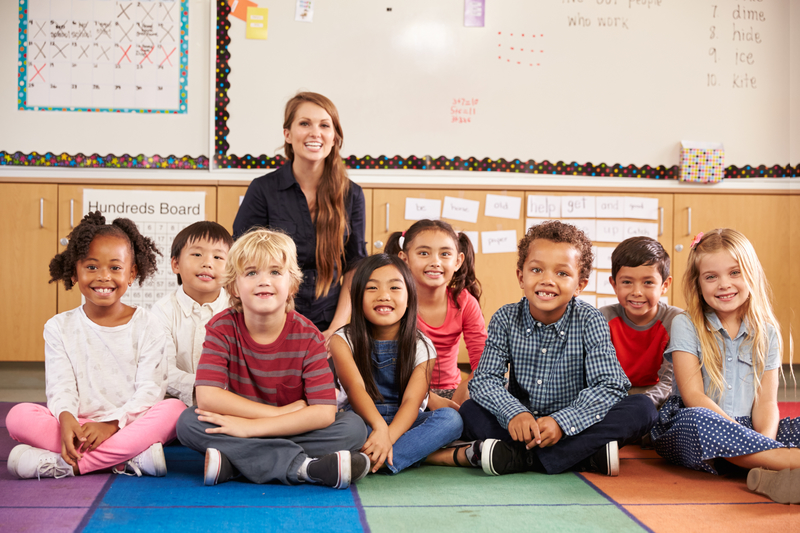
column 253, row 211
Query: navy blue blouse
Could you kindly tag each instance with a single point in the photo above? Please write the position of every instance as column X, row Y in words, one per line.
column 276, row 201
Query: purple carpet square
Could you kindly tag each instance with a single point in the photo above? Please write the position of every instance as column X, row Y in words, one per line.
column 6, row 444
column 51, row 520
column 78, row 491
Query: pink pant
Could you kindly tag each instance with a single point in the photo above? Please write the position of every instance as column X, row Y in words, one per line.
column 35, row 425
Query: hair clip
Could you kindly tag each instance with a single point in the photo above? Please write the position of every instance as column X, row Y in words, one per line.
column 402, row 240
column 696, row 240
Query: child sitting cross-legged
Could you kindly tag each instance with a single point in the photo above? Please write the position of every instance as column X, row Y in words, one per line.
column 566, row 405
column 266, row 404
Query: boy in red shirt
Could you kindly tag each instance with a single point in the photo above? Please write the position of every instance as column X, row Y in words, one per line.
column 640, row 322
column 266, row 404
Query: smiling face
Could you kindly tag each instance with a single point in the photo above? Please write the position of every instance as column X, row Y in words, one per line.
column 201, row 266
column 550, row 278
column 263, row 290
column 105, row 274
column 639, row 290
column 385, row 302
column 722, row 284
column 311, row 134
column 433, row 258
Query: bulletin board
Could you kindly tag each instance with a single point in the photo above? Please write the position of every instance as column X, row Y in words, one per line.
column 586, row 87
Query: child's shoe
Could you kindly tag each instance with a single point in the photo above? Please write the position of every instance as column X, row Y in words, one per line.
column 338, row 469
column 218, row 468
column 27, row 462
column 782, row 486
column 499, row 458
column 606, row 460
column 150, row 462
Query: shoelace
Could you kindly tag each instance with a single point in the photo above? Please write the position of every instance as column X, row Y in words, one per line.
column 136, row 470
column 49, row 467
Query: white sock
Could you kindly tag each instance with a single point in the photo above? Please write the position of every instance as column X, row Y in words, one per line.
column 302, row 472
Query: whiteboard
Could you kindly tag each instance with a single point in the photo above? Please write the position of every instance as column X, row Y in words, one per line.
column 108, row 133
column 599, row 81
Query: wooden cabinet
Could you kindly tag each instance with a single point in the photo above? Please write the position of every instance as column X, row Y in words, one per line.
column 763, row 219
column 28, row 239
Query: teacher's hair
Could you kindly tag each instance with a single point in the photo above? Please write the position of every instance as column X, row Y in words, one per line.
column 331, row 224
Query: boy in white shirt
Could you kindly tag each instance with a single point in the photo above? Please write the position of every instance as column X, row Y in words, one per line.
column 198, row 253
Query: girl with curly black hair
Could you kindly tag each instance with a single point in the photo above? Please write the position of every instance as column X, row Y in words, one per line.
column 105, row 367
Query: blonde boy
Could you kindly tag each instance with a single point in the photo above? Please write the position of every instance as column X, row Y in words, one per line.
column 198, row 258
column 265, row 394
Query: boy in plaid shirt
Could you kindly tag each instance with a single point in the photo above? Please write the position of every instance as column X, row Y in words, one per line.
column 566, row 406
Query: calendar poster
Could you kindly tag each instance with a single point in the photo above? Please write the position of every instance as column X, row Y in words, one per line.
column 103, row 55
column 159, row 215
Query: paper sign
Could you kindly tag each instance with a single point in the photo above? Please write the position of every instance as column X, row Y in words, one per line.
column 610, row 207
column 610, row 231
column 460, row 209
column 503, row 206
column 544, row 206
column 603, row 256
column 473, row 238
column 256, row 23
column 304, row 11
column 646, row 208
column 602, row 302
column 603, row 284
column 474, row 12
column 664, row 299
column 496, row 242
column 641, row 229
column 592, row 285
column 594, row 256
column 587, row 226
column 239, row 8
column 241, row 199
column 577, row 206
column 421, row 208
column 590, row 299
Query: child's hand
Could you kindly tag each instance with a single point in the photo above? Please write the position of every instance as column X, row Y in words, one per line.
column 96, row 433
column 71, row 437
column 549, row 431
column 228, row 424
column 378, row 448
column 437, row 402
column 523, row 428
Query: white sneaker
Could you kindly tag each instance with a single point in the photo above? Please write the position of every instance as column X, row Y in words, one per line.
column 27, row 462
column 150, row 462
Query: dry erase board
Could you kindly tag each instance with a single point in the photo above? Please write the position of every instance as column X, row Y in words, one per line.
column 104, row 139
column 598, row 84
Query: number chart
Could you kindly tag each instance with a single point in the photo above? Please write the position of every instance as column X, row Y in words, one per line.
column 103, row 55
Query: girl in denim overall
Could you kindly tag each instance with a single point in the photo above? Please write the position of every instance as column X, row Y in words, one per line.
column 384, row 366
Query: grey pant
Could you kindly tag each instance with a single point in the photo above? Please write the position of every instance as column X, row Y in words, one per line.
column 265, row 459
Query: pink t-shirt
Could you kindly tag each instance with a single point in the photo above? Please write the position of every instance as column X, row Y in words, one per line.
column 467, row 320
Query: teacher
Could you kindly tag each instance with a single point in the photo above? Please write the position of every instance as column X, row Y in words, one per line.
column 312, row 199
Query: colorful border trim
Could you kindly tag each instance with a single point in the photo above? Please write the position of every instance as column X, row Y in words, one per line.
column 49, row 159
column 221, row 158
column 22, row 95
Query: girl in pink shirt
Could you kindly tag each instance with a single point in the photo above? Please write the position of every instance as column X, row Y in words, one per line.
column 443, row 265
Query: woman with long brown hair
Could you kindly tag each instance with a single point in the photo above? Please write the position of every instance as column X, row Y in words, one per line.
column 312, row 199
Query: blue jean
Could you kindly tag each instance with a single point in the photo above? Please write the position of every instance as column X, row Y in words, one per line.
column 429, row 432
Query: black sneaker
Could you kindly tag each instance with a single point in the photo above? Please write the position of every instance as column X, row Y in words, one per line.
column 499, row 458
column 218, row 469
column 606, row 460
column 338, row 469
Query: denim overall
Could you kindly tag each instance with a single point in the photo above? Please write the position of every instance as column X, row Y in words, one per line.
column 429, row 432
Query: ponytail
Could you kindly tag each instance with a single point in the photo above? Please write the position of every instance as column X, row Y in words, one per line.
column 465, row 277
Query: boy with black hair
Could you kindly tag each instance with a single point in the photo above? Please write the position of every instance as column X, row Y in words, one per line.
column 566, row 406
column 198, row 258
column 640, row 322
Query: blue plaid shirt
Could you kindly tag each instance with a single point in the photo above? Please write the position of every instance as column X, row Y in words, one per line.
column 567, row 370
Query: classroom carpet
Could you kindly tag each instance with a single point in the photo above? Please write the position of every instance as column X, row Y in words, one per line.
column 649, row 495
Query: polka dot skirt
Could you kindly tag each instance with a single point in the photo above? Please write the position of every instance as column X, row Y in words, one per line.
column 695, row 436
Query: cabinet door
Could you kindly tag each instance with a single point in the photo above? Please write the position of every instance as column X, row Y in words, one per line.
column 761, row 218
column 794, row 254
column 28, row 219
column 664, row 223
column 496, row 271
column 70, row 212
column 228, row 201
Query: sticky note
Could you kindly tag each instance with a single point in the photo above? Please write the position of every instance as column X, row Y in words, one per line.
column 460, row 209
column 422, row 208
column 256, row 22
column 239, row 8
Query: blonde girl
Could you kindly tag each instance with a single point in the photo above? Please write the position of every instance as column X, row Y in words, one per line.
column 726, row 350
